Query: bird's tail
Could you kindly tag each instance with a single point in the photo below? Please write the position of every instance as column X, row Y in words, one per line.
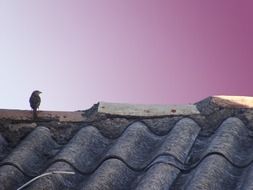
column 34, row 114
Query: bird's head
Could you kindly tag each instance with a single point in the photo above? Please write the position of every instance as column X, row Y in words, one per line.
column 37, row 92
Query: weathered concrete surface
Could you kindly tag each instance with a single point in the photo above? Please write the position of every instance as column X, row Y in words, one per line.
column 233, row 101
column 139, row 110
column 25, row 115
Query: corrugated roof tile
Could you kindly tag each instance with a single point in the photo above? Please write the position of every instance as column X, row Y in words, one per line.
column 209, row 150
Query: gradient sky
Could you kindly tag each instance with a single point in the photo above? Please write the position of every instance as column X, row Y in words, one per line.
column 80, row 52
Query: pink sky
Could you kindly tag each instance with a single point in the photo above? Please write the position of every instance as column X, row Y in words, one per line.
column 153, row 52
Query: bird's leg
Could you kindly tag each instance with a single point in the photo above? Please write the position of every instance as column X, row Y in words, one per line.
column 34, row 114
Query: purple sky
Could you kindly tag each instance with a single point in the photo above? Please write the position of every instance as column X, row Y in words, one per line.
column 155, row 52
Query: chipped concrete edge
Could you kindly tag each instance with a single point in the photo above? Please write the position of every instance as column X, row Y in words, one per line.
column 140, row 110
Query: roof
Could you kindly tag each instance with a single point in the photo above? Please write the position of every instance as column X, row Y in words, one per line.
column 207, row 145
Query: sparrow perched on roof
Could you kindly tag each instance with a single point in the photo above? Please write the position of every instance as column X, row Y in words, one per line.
column 35, row 102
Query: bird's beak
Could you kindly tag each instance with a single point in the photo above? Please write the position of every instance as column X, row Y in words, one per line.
column 40, row 92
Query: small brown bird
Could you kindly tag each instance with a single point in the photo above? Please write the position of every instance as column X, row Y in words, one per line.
column 35, row 102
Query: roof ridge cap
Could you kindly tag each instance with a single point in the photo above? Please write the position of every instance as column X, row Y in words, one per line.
column 228, row 101
column 26, row 115
column 146, row 110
